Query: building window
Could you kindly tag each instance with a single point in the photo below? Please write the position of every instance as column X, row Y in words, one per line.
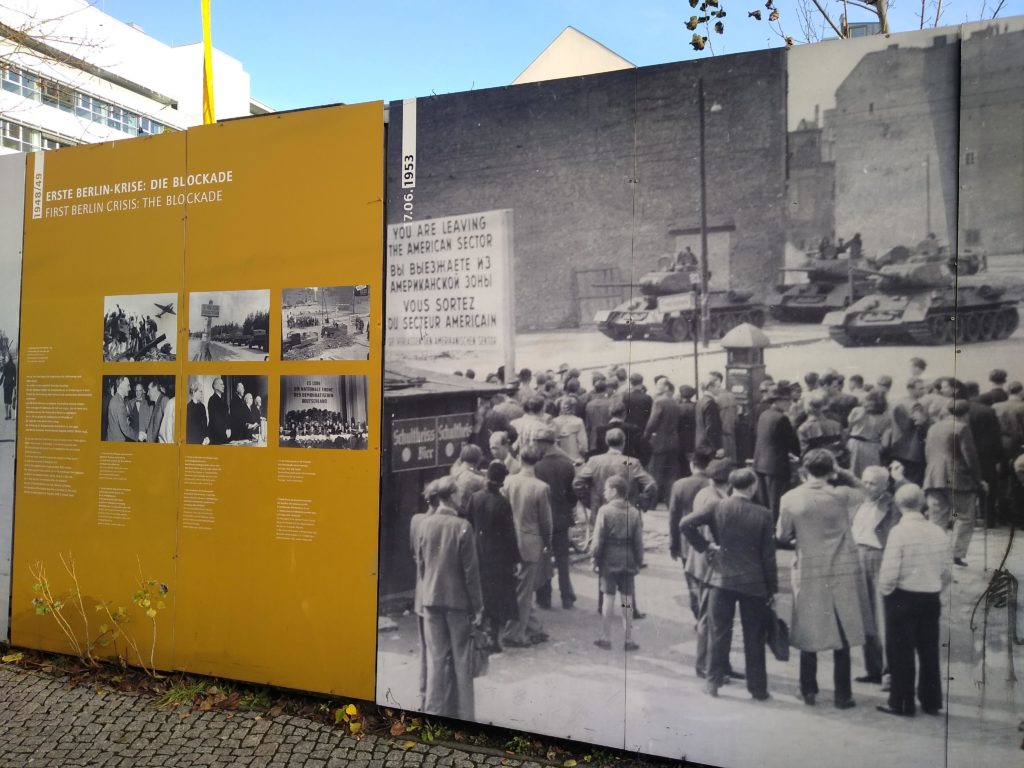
column 54, row 94
column 969, row 158
column 149, row 127
column 22, row 138
column 67, row 99
column 973, row 236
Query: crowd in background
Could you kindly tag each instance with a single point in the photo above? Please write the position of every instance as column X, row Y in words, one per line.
column 877, row 491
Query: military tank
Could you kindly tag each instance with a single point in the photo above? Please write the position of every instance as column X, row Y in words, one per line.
column 927, row 301
column 666, row 310
column 829, row 287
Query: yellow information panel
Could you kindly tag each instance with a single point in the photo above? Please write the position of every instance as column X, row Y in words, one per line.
column 201, row 384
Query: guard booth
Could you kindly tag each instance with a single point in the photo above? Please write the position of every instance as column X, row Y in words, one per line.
column 744, row 346
column 427, row 419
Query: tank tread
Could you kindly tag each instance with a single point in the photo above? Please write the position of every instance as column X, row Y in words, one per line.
column 840, row 336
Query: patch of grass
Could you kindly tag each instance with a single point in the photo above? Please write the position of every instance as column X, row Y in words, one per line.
column 181, row 693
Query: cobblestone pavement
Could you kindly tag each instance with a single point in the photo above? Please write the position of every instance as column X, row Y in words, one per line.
column 46, row 721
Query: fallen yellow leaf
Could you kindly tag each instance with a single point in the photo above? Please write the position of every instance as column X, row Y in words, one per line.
column 12, row 657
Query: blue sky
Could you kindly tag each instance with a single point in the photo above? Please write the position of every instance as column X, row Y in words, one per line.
column 303, row 53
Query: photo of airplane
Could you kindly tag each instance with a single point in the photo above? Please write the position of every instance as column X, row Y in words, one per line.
column 165, row 309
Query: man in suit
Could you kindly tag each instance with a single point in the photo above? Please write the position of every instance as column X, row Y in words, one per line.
column 953, row 476
column 119, row 428
column 662, row 434
column 530, row 498
column 775, row 442
column 156, row 412
column 140, row 411
column 696, row 567
column 987, row 434
column 909, row 428
column 680, row 504
column 872, row 521
column 742, row 569
column 557, row 470
column 638, row 403
column 687, row 426
column 217, row 411
column 239, row 414
column 1010, row 413
column 709, row 419
column 828, row 588
column 597, row 413
column 589, row 483
column 998, row 393
column 450, row 599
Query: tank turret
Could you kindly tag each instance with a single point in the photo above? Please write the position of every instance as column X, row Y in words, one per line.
column 929, row 299
column 666, row 309
column 831, row 284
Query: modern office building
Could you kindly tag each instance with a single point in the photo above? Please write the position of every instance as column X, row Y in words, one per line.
column 71, row 74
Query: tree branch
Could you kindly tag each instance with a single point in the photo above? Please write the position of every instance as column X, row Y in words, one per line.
column 828, row 18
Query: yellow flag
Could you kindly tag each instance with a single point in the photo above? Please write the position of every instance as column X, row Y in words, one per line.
column 208, row 116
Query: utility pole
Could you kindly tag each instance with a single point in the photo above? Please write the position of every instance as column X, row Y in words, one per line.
column 704, row 308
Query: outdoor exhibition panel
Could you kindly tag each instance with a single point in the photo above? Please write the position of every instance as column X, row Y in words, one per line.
column 202, row 396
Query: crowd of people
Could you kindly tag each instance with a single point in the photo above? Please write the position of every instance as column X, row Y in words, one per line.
column 877, row 492
column 319, row 427
column 137, row 409
column 218, row 421
column 127, row 335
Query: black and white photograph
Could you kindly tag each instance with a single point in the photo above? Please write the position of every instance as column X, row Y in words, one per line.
column 754, row 361
column 138, row 409
column 325, row 323
column 324, row 412
column 227, row 410
column 140, row 327
column 229, row 325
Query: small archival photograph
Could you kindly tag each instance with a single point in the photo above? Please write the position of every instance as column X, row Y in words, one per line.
column 138, row 409
column 227, row 410
column 140, row 327
column 229, row 325
column 324, row 412
column 331, row 323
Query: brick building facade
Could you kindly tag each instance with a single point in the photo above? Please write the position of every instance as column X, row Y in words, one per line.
column 992, row 141
column 895, row 130
column 602, row 173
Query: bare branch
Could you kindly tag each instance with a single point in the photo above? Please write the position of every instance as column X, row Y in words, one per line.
column 827, row 18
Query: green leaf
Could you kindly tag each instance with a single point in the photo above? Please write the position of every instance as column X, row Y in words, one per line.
column 354, row 726
column 339, row 715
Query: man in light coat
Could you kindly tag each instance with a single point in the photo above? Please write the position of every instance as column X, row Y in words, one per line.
column 530, row 498
column 828, row 588
column 450, row 599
